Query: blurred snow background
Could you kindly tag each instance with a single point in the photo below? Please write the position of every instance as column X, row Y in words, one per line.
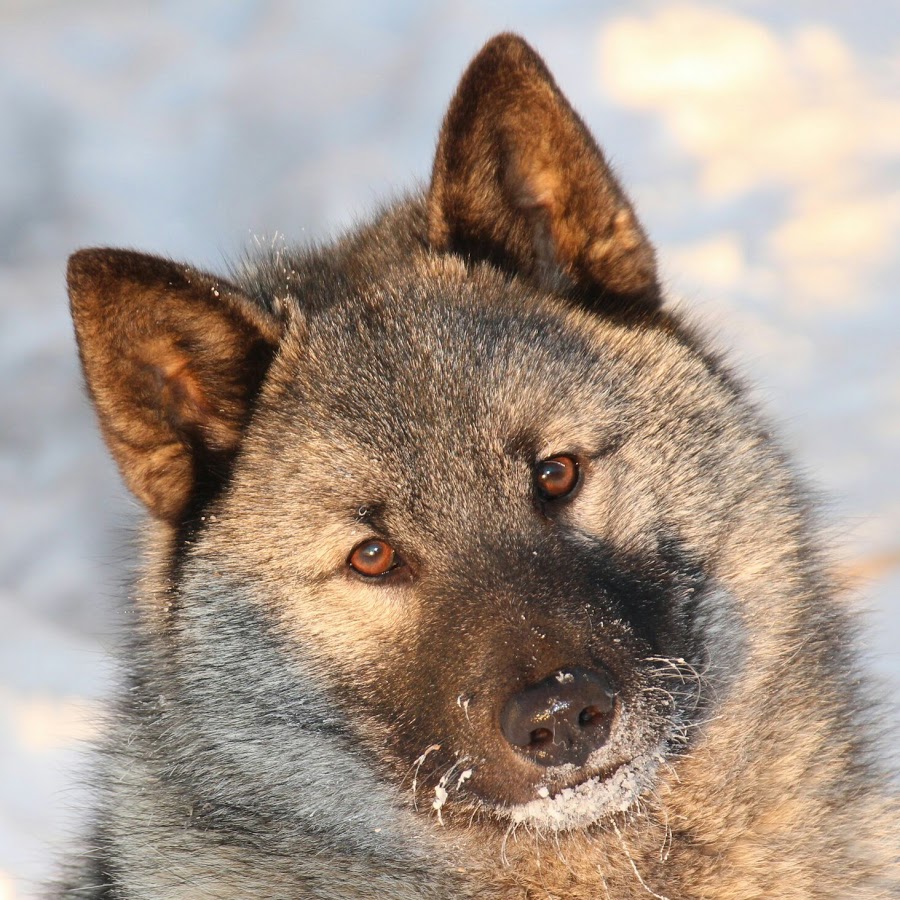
column 761, row 141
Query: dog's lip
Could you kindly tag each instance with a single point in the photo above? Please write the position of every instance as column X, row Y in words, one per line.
column 566, row 777
column 586, row 801
column 539, row 782
column 559, row 782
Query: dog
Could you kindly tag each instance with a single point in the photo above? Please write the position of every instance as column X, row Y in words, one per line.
column 470, row 570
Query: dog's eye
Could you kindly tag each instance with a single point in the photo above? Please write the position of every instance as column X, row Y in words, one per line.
column 373, row 558
column 556, row 477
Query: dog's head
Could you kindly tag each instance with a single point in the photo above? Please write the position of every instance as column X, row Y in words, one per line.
column 445, row 493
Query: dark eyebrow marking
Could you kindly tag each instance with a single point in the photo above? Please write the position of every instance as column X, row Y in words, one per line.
column 371, row 514
column 612, row 441
column 595, row 444
column 523, row 445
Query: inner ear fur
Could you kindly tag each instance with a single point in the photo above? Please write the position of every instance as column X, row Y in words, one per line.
column 519, row 180
column 173, row 359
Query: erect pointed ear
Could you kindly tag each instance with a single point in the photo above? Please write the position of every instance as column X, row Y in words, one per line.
column 519, row 180
column 173, row 359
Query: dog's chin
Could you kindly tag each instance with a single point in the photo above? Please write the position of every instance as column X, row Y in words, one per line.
column 587, row 802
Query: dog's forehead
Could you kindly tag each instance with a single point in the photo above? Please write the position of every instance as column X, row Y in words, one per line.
column 449, row 365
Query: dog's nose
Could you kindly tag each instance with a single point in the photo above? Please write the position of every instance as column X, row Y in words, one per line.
column 562, row 719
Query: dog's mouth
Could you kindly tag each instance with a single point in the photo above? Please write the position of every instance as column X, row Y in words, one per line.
column 563, row 798
column 588, row 799
column 610, row 779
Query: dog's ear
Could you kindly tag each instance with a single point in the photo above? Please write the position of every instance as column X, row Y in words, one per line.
column 173, row 359
column 519, row 180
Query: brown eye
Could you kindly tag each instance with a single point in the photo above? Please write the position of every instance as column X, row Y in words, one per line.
column 373, row 558
column 556, row 477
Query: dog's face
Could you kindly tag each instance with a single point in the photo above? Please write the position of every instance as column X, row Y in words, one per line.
column 461, row 537
column 433, row 472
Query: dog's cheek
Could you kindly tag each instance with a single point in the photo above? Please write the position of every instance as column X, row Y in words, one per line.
column 615, row 508
column 355, row 627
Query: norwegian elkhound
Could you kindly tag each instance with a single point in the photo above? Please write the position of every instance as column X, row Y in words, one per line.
column 470, row 570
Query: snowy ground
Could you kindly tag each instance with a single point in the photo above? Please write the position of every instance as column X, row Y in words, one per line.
column 759, row 138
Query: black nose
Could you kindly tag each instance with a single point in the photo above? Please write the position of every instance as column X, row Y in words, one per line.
column 561, row 719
